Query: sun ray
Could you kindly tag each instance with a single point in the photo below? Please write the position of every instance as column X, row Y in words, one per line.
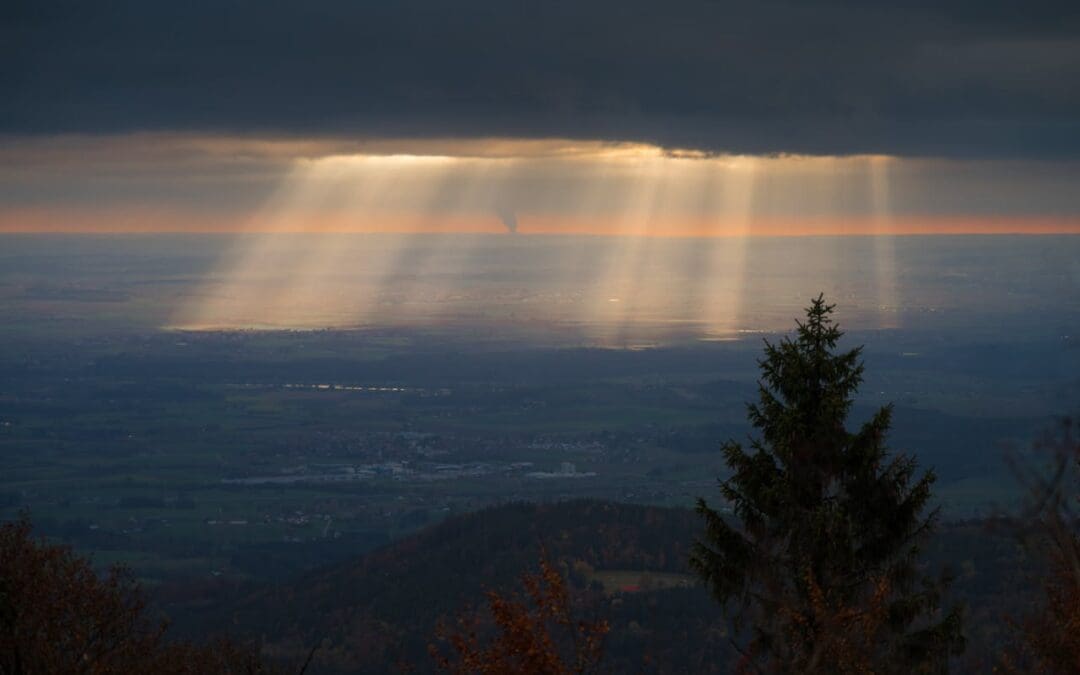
column 682, row 250
column 883, row 243
column 737, row 181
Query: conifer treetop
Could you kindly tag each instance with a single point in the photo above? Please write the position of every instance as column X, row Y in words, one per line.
column 827, row 524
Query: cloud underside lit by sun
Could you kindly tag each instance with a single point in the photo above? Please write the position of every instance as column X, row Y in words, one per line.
column 189, row 183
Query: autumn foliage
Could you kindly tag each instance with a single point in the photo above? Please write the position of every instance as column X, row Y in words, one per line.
column 58, row 616
column 534, row 635
column 1050, row 635
column 841, row 637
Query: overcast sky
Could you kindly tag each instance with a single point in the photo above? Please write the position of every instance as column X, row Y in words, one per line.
column 113, row 106
column 912, row 77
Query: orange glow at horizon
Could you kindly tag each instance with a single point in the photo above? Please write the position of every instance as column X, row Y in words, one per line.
column 133, row 220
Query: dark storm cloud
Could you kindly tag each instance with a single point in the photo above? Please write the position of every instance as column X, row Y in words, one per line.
column 911, row 78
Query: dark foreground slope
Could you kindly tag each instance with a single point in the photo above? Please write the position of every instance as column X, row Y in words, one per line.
column 627, row 563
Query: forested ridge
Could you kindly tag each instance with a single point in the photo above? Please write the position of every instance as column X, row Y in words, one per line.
column 381, row 609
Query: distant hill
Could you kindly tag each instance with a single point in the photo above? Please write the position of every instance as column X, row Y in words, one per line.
column 627, row 563
column 371, row 613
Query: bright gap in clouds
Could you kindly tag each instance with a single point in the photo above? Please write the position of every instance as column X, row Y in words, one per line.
column 678, row 262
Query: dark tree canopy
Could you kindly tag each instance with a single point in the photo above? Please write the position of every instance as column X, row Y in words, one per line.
column 58, row 616
column 820, row 564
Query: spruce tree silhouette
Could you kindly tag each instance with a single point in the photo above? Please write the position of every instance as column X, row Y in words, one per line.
column 819, row 568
